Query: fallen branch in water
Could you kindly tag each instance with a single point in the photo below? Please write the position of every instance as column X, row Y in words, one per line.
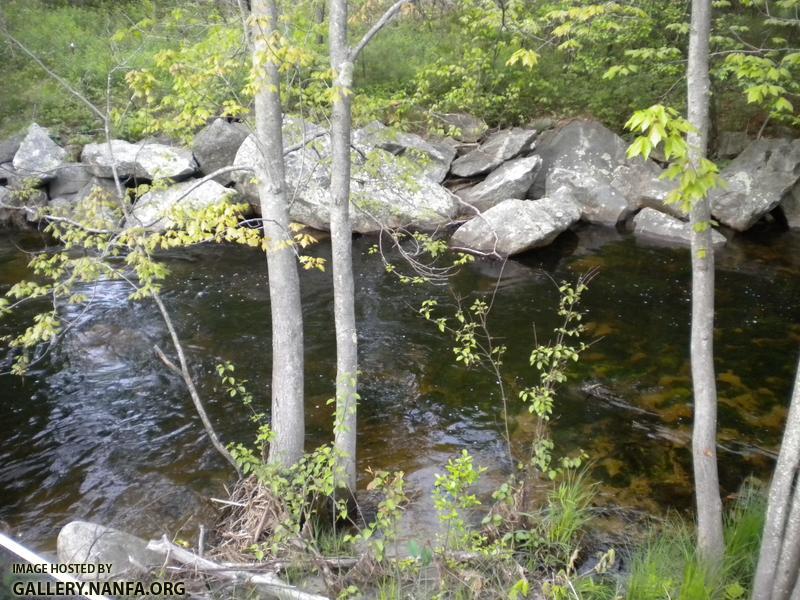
column 276, row 587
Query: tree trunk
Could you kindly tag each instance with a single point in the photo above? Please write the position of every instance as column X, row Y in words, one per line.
column 342, row 250
column 284, row 282
column 704, row 447
column 780, row 544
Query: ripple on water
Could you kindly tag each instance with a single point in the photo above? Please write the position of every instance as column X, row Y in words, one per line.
column 104, row 432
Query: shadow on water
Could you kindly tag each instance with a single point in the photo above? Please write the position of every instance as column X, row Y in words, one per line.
column 102, row 431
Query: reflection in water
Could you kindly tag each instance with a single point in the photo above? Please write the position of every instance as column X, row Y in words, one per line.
column 103, row 432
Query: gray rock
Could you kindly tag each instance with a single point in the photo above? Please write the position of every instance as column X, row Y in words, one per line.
column 791, row 207
column 143, row 160
column 591, row 160
column 88, row 543
column 463, row 127
column 542, row 123
column 732, row 143
column 153, row 208
column 388, row 192
column 9, row 147
column 511, row 180
column 9, row 176
column 70, row 179
column 655, row 225
column 38, row 156
column 757, row 181
column 514, row 226
column 10, row 216
column 497, row 149
column 95, row 205
column 433, row 157
column 216, row 145
column 19, row 209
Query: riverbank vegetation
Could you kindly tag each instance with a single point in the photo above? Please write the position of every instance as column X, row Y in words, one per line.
column 151, row 69
column 603, row 61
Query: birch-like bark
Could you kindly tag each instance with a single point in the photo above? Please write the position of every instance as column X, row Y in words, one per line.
column 284, row 282
column 777, row 568
column 710, row 539
column 342, row 61
column 342, row 252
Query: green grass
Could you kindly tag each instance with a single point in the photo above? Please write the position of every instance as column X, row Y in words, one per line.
column 668, row 566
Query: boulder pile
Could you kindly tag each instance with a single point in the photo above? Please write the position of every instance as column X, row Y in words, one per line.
column 501, row 193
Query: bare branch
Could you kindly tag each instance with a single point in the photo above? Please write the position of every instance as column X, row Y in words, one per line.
column 183, row 371
column 64, row 83
column 380, row 24
column 276, row 587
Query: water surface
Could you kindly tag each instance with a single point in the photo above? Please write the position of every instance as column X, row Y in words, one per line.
column 102, row 431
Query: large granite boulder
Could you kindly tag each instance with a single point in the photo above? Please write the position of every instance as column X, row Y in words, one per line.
column 303, row 139
column 731, row 144
column 592, row 161
column 89, row 543
column 95, row 205
column 38, row 156
column 9, row 147
column 153, row 209
column 69, row 179
column 654, row 225
column 216, row 145
column 142, row 160
column 9, row 176
column 497, row 149
column 791, row 207
column 9, row 217
column 757, row 181
column 514, row 226
column 433, row 157
column 511, row 180
column 463, row 127
column 386, row 190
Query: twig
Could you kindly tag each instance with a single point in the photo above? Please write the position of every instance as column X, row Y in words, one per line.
column 183, row 371
column 276, row 587
column 379, row 24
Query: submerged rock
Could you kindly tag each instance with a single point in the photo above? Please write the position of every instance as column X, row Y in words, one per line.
column 654, row 225
column 143, row 160
column 89, row 543
column 216, row 145
column 500, row 147
column 511, row 180
column 514, row 226
column 38, row 156
column 757, row 181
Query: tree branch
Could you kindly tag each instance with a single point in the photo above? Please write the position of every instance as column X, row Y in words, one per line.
column 64, row 83
column 380, row 24
column 276, row 587
column 183, row 371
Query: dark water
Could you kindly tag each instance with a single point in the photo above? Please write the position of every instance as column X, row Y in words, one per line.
column 102, row 431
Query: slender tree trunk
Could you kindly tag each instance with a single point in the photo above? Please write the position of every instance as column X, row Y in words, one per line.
column 777, row 571
column 319, row 19
column 342, row 243
column 284, row 282
column 704, row 447
column 342, row 60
